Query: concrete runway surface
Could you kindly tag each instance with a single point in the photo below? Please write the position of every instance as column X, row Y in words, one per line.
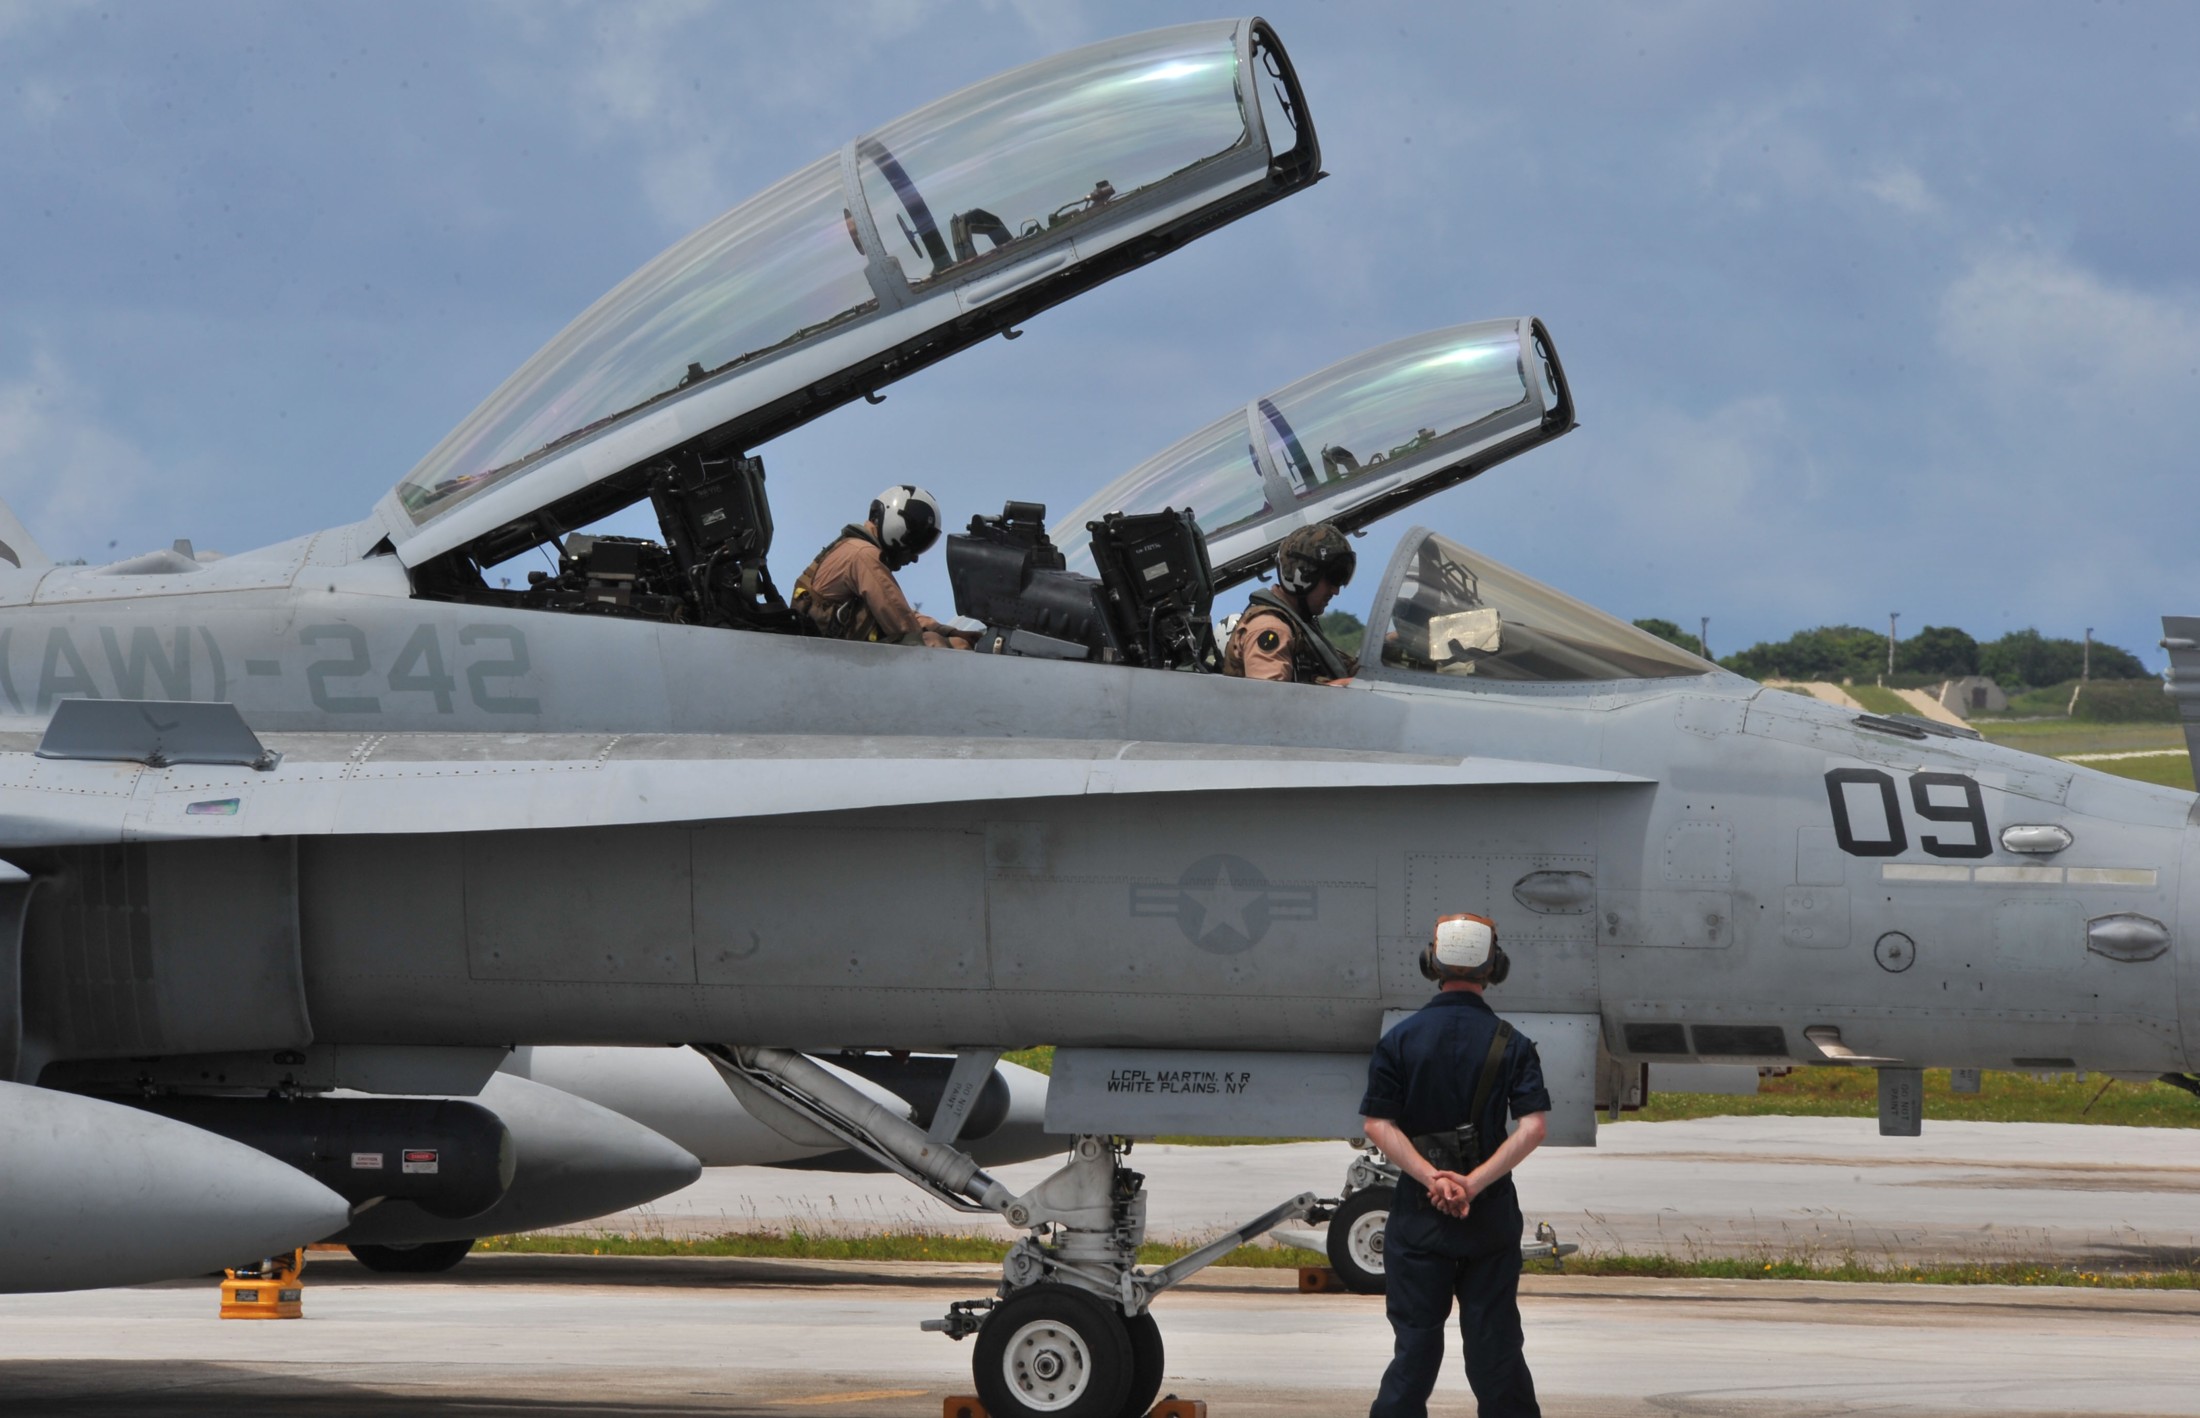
column 585, row 1337
column 1824, row 1187
column 605, row 1337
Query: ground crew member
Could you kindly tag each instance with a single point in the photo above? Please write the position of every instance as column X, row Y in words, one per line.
column 1438, row 1091
column 1279, row 637
column 849, row 591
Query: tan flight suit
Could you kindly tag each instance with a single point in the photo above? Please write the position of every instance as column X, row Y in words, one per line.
column 1265, row 644
column 1260, row 648
column 850, row 595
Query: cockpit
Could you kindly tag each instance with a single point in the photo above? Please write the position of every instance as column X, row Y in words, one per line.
column 1460, row 615
column 948, row 226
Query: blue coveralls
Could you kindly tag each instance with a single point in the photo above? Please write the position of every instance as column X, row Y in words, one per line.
column 1423, row 1077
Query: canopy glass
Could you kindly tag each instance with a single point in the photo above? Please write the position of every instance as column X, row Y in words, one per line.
column 1459, row 614
column 1033, row 152
column 1358, row 432
column 955, row 187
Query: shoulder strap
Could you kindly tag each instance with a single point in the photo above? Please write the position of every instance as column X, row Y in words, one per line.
column 1307, row 636
column 1487, row 1083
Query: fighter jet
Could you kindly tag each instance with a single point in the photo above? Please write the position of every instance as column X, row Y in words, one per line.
column 348, row 812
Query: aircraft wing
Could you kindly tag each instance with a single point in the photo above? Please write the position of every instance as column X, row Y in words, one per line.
column 398, row 783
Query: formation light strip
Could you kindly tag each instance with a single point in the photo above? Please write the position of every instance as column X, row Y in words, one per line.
column 2020, row 876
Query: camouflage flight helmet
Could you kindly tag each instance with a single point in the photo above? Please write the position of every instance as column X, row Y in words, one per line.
column 1313, row 554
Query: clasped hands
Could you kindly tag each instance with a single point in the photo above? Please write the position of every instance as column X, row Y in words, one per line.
column 1451, row 1193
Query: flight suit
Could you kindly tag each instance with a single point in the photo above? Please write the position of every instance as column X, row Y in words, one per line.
column 848, row 593
column 1422, row 1077
column 1274, row 640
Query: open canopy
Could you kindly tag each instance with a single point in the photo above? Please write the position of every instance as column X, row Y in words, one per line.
column 914, row 241
column 1459, row 615
column 1351, row 444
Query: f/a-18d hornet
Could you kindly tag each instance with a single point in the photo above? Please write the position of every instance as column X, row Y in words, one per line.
column 352, row 813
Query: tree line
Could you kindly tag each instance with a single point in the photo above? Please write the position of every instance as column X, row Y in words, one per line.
column 2020, row 660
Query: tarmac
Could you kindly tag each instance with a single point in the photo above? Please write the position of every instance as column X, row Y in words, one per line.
column 613, row 1337
column 609, row 1337
column 1809, row 1188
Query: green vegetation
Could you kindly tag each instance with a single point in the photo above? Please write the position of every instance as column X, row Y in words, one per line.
column 1879, row 701
column 1345, row 630
column 2170, row 770
column 2026, row 657
column 1038, row 1060
column 2056, row 737
column 1833, row 652
column 2127, row 701
column 1938, row 650
column 2002, row 1098
column 1852, row 1270
column 1672, row 634
column 937, row 1248
column 797, row 1245
column 2022, row 659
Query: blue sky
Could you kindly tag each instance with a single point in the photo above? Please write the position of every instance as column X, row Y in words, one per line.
column 1868, row 308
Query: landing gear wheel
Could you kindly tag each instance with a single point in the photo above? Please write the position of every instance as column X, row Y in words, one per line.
column 427, row 1258
column 1052, row 1349
column 1147, row 1360
column 1356, row 1239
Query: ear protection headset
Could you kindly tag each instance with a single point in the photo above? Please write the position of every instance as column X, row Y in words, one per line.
column 1464, row 947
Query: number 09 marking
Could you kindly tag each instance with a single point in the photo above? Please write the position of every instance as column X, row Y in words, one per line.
column 1884, row 835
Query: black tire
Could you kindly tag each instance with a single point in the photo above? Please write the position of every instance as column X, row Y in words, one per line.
column 1051, row 1350
column 1356, row 1239
column 427, row 1258
column 1148, row 1357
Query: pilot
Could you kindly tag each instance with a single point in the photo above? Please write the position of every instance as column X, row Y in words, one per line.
column 1439, row 1087
column 1279, row 636
column 849, row 591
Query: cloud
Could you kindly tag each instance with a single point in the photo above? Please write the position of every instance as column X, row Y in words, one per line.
column 2040, row 331
column 1902, row 188
column 639, row 83
column 63, row 472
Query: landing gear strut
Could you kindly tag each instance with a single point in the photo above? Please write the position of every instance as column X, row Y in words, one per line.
column 1067, row 1332
column 1357, row 1220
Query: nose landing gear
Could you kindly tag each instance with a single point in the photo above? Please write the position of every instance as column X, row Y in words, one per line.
column 1067, row 1332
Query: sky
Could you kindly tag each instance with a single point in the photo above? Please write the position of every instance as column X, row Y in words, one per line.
column 1867, row 308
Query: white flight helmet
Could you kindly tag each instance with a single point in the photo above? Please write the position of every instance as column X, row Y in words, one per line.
column 908, row 521
column 1464, row 947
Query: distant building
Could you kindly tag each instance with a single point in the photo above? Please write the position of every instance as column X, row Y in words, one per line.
column 1972, row 694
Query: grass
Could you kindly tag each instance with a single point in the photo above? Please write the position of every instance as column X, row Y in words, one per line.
column 921, row 1247
column 2002, row 1098
column 1854, row 1093
column 1038, row 1060
column 1877, row 700
column 799, row 1245
column 2169, row 770
column 2170, row 767
column 1853, row 1271
column 2056, row 737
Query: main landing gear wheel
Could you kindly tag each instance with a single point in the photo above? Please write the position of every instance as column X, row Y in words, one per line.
column 1147, row 1359
column 427, row 1258
column 1356, row 1239
column 1051, row 1349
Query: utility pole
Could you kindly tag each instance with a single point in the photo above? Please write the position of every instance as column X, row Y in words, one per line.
column 1892, row 617
column 1703, row 635
column 2085, row 671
